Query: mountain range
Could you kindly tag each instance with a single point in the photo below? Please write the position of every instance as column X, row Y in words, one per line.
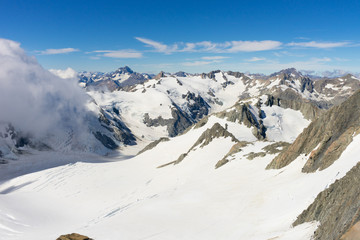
column 218, row 155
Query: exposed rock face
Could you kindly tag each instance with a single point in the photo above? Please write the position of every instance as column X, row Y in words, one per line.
column 73, row 236
column 159, row 75
column 154, row 144
column 237, row 147
column 117, row 129
column 180, row 74
column 236, row 74
column 337, row 208
column 176, row 125
column 341, row 88
column 242, row 114
column 331, row 133
column 216, row 131
column 353, row 233
column 196, row 105
column 210, row 75
column 105, row 140
column 288, row 99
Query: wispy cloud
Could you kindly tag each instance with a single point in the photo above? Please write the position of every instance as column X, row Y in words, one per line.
column 198, row 63
column 318, row 64
column 314, row 44
column 253, row 46
column 212, row 47
column 214, row 57
column 119, row 53
column 53, row 51
column 159, row 47
column 255, row 59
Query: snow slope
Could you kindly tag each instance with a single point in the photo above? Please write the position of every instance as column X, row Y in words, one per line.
column 134, row 199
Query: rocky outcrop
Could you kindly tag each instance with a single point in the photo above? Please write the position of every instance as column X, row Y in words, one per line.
column 243, row 114
column 180, row 74
column 179, row 122
column 210, row 75
column 153, row 144
column 273, row 148
column 353, row 233
column 236, row 74
column 237, row 147
column 73, row 236
column 196, row 106
column 159, row 75
column 216, row 131
column 117, row 129
column 325, row 138
column 337, row 209
column 289, row 99
column 105, row 140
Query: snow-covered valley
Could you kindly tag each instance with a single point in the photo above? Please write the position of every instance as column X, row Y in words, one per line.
column 222, row 155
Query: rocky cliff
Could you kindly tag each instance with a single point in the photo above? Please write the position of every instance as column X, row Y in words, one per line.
column 336, row 208
column 325, row 138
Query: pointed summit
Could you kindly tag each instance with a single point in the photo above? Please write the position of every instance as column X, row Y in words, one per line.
column 288, row 73
column 123, row 70
column 160, row 75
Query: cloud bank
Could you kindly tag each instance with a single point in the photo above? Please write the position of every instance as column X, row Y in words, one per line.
column 33, row 99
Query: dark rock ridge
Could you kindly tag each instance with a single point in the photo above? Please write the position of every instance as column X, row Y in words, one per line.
column 153, row 144
column 216, row 131
column 243, row 114
column 330, row 134
column 160, row 75
column 337, row 208
column 115, row 130
column 288, row 99
column 210, row 75
column 180, row 74
column 237, row 147
column 196, row 106
column 179, row 122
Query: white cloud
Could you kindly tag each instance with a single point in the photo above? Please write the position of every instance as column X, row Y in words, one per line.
column 211, row 47
column 120, row 53
column 189, row 47
column 214, row 58
column 35, row 100
column 159, row 47
column 253, row 46
column 58, row 51
column 314, row 44
column 67, row 73
column 198, row 63
column 255, row 59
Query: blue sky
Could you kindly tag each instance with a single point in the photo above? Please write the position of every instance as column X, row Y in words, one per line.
column 193, row 36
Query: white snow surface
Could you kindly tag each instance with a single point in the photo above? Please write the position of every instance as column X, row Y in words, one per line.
column 283, row 124
column 133, row 199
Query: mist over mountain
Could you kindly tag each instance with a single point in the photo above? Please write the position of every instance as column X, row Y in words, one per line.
column 33, row 99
